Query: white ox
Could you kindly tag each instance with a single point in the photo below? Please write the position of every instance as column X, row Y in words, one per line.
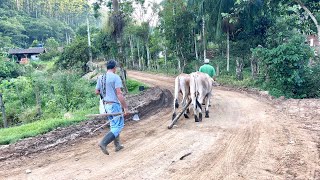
column 200, row 89
column 182, row 85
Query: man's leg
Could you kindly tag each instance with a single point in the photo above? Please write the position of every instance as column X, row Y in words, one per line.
column 108, row 138
column 115, row 127
column 117, row 144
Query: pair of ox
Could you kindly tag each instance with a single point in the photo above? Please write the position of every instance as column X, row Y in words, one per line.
column 196, row 86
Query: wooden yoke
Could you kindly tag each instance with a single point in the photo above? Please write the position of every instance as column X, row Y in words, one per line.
column 179, row 115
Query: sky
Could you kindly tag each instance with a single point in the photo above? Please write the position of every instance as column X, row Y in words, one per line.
column 140, row 16
column 149, row 15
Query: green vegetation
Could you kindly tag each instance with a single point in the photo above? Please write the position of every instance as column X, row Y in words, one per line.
column 26, row 23
column 255, row 44
column 133, row 86
column 8, row 69
column 237, row 36
column 47, row 123
column 41, row 95
column 13, row 134
column 59, row 93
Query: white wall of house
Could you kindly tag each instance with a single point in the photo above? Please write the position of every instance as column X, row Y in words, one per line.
column 35, row 57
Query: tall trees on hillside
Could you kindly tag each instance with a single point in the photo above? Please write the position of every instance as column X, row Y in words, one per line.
column 23, row 21
column 176, row 22
column 68, row 11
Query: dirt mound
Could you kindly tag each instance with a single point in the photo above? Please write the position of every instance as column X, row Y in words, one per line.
column 302, row 108
column 147, row 103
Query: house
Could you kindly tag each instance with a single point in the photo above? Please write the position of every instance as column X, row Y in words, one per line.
column 314, row 42
column 23, row 54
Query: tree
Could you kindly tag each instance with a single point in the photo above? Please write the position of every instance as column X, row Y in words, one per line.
column 176, row 22
column 35, row 43
column 51, row 44
column 76, row 55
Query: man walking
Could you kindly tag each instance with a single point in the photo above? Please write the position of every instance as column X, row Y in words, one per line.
column 109, row 88
column 208, row 69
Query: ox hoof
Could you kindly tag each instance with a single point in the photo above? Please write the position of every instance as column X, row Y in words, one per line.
column 186, row 116
column 174, row 115
column 207, row 114
column 176, row 104
column 196, row 118
column 188, row 111
column 200, row 117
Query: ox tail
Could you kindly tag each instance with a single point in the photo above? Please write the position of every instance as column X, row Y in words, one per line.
column 176, row 92
column 197, row 94
column 198, row 104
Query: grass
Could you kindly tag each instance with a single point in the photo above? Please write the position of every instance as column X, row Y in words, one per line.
column 230, row 80
column 13, row 134
column 133, row 86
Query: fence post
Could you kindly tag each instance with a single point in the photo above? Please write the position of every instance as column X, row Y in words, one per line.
column 5, row 123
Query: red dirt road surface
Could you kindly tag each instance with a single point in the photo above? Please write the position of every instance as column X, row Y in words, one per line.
column 246, row 137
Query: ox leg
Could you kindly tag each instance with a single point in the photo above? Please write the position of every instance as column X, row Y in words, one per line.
column 199, row 109
column 207, row 105
column 184, row 99
column 175, row 105
column 174, row 115
column 176, row 97
column 186, row 112
column 195, row 112
column 202, row 99
column 195, row 109
column 188, row 109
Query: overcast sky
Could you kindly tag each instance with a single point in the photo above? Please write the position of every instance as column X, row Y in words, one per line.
column 142, row 16
column 139, row 15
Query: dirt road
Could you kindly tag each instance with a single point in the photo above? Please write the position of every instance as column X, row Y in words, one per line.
column 244, row 138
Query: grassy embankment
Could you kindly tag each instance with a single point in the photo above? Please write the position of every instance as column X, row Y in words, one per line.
column 13, row 134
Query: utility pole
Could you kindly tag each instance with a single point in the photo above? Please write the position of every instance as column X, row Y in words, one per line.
column 204, row 38
column 5, row 123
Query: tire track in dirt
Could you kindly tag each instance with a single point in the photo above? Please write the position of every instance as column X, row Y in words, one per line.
column 276, row 151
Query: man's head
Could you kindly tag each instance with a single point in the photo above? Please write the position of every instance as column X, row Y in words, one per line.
column 111, row 65
column 206, row 61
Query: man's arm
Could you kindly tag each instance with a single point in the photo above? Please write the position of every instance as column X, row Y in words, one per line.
column 98, row 86
column 122, row 101
column 214, row 73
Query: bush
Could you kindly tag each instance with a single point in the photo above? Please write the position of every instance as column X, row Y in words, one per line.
column 286, row 68
column 8, row 69
column 312, row 82
column 62, row 92
column 71, row 91
column 76, row 55
column 19, row 96
column 28, row 115
column 49, row 55
column 132, row 84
